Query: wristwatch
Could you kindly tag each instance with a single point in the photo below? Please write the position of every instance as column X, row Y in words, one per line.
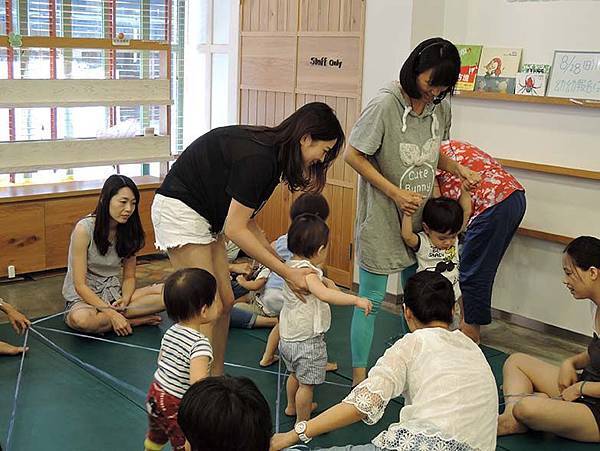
column 300, row 429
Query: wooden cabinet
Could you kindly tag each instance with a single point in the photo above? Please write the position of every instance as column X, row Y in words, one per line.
column 22, row 237
column 36, row 221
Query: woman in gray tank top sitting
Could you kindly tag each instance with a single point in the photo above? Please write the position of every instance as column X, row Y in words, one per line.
column 103, row 248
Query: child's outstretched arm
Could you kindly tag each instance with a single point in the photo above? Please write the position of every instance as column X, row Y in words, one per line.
column 335, row 297
column 467, row 205
column 408, row 235
column 199, row 369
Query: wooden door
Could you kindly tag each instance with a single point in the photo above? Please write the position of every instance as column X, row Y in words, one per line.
column 299, row 51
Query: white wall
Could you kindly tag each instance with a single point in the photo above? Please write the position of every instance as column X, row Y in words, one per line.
column 529, row 282
column 529, row 279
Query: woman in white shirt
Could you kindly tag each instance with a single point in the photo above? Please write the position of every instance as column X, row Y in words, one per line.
column 451, row 399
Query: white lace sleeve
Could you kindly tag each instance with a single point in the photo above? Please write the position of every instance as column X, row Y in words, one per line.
column 386, row 380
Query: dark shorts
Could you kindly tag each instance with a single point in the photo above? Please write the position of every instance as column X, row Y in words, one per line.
column 593, row 404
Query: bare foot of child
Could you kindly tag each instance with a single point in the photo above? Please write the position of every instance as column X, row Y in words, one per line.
column 8, row 349
column 150, row 320
column 268, row 361
column 292, row 412
column 507, row 425
column 331, row 366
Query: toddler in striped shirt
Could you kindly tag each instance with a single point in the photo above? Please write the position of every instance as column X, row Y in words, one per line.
column 185, row 353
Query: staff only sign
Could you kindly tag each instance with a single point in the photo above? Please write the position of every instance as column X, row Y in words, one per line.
column 325, row 62
column 329, row 65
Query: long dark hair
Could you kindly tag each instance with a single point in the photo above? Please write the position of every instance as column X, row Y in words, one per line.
column 317, row 120
column 435, row 53
column 130, row 236
column 585, row 252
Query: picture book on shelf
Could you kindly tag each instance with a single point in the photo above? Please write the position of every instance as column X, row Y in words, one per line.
column 498, row 69
column 532, row 79
column 469, row 65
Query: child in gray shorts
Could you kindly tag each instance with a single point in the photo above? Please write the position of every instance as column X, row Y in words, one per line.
column 303, row 322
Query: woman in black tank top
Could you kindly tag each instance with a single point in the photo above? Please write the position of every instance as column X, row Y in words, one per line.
column 566, row 401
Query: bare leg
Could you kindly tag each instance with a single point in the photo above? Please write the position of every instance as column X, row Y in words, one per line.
column 524, row 375
column 87, row 319
column 269, row 357
column 567, row 419
column 304, row 402
column 291, row 387
column 225, row 295
column 213, row 258
column 265, row 321
column 473, row 331
column 358, row 375
column 8, row 349
column 146, row 301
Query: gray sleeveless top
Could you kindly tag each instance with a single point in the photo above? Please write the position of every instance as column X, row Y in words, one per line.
column 103, row 271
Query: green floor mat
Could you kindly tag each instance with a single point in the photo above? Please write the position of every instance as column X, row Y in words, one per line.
column 62, row 406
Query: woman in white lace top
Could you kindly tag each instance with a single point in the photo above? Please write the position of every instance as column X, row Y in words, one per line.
column 451, row 399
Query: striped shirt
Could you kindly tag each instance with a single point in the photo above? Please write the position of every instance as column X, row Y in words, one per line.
column 178, row 348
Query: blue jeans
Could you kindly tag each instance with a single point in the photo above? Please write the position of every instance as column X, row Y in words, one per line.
column 241, row 319
column 486, row 241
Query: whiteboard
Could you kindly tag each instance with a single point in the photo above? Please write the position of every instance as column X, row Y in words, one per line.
column 575, row 75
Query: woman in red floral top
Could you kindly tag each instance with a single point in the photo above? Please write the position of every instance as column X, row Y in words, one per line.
column 498, row 208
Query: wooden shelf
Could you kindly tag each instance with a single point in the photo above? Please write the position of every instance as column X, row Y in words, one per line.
column 546, row 236
column 27, row 156
column 89, row 92
column 496, row 96
column 85, row 43
column 11, row 194
column 549, row 169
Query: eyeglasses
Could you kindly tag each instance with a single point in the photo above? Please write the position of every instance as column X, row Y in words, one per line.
column 444, row 266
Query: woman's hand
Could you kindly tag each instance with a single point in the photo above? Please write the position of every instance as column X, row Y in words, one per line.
column 407, row 201
column 119, row 323
column 121, row 304
column 19, row 322
column 567, row 375
column 469, row 178
column 283, row 440
column 572, row 392
column 296, row 280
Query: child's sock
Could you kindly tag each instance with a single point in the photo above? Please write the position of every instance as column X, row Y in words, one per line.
column 149, row 445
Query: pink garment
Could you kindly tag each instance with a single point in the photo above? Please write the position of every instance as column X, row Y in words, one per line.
column 496, row 184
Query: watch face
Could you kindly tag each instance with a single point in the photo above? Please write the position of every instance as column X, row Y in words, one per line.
column 300, row 427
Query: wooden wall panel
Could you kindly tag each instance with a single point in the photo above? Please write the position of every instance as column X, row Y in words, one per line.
column 328, row 50
column 22, row 237
column 146, row 197
column 331, row 15
column 273, row 219
column 268, row 62
column 269, row 15
column 276, row 80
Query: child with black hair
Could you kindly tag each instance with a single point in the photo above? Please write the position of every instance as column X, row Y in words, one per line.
column 436, row 247
column 245, row 426
column 185, row 353
column 303, row 322
column 272, row 298
column 451, row 398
